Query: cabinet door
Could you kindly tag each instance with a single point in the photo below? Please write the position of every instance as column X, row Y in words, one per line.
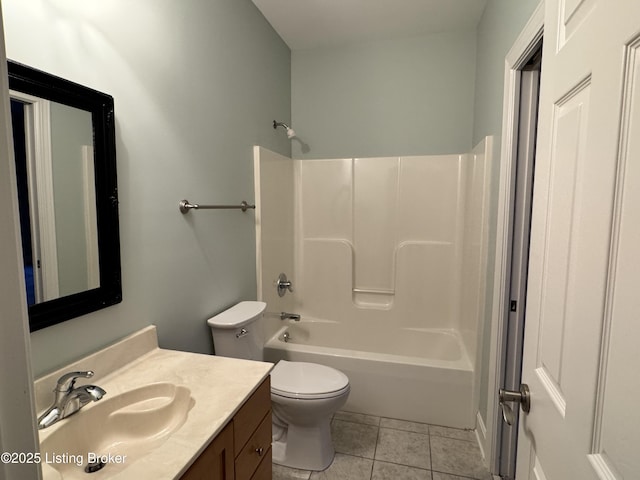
column 255, row 451
column 216, row 462
column 250, row 415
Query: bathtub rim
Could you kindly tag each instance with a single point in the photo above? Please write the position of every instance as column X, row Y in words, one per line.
column 463, row 363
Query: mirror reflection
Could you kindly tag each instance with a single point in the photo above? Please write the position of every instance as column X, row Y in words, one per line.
column 56, row 186
column 64, row 138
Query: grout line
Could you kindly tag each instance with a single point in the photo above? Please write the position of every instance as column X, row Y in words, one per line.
column 405, row 465
column 429, row 425
column 310, row 472
column 357, row 423
column 373, row 460
column 354, row 455
column 403, row 430
column 430, row 455
column 375, row 450
column 455, row 475
column 391, row 428
column 454, row 438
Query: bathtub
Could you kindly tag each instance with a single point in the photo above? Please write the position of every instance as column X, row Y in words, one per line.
column 420, row 375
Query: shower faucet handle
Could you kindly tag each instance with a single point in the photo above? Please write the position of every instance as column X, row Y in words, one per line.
column 282, row 285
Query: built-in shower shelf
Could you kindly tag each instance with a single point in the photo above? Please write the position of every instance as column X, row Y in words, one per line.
column 380, row 299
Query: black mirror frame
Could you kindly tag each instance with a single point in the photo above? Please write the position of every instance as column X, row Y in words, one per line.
column 41, row 84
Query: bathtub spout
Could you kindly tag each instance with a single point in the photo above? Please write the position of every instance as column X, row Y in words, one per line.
column 289, row 316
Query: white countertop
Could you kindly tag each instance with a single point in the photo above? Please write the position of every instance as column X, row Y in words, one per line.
column 218, row 385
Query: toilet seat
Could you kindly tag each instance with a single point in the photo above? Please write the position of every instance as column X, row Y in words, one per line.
column 309, row 381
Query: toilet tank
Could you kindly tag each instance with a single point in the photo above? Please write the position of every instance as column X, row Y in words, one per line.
column 237, row 332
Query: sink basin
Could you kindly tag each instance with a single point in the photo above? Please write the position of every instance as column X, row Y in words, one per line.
column 119, row 429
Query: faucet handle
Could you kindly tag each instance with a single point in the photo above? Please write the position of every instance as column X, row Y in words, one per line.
column 282, row 285
column 68, row 380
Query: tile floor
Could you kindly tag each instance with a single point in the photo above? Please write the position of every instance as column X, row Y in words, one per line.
column 374, row 448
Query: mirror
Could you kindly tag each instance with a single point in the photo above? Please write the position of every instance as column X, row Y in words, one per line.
column 64, row 140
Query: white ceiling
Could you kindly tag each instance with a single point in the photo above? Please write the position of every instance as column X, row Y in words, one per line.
column 306, row 24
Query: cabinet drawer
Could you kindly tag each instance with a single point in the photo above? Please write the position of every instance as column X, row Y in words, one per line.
column 251, row 414
column 257, row 448
column 264, row 470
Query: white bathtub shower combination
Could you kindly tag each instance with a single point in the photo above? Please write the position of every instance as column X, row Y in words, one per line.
column 386, row 260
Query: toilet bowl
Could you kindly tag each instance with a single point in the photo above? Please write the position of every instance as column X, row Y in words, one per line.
column 304, row 395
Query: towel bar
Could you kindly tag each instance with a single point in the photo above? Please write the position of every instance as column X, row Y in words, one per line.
column 186, row 206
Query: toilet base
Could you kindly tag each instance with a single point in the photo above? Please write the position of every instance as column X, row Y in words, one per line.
column 304, row 447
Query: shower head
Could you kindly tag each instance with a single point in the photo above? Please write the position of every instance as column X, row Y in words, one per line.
column 290, row 132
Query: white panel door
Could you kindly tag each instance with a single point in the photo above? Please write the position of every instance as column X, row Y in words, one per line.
column 582, row 327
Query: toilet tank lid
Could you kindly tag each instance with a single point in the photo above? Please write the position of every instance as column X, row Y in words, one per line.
column 238, row 316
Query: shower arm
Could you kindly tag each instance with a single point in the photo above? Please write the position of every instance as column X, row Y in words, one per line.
column 290, row 131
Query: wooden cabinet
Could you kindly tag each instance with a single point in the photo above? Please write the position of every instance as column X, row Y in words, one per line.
column 242, row 450
column 252, row 433
column 217, row 461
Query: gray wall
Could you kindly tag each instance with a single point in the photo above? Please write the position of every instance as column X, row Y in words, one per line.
column 410, row 96
column 195, row 84
column 501, row 23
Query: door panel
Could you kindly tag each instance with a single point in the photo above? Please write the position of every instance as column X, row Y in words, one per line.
column 538, row 473
column 573, row 13
column 562, row 257
column 616, row 437
column 581, row 305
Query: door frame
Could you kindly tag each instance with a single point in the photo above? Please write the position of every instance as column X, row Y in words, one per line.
column 41, row 198
column 519, row 54
column 18, row 431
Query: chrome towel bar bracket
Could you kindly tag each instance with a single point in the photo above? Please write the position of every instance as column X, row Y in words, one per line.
column 186, row 206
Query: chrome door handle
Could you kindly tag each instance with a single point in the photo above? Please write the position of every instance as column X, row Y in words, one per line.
column 522, row 396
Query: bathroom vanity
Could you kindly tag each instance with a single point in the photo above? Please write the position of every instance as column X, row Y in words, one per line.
column 166, row 414
column 242, row 451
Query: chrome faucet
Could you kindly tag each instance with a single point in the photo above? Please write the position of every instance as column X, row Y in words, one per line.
column 68, row 399
column 289, row 316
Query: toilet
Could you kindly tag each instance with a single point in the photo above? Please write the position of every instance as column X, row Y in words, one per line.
column 304, row 396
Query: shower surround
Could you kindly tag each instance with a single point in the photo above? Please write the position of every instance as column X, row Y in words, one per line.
column 388, row 262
